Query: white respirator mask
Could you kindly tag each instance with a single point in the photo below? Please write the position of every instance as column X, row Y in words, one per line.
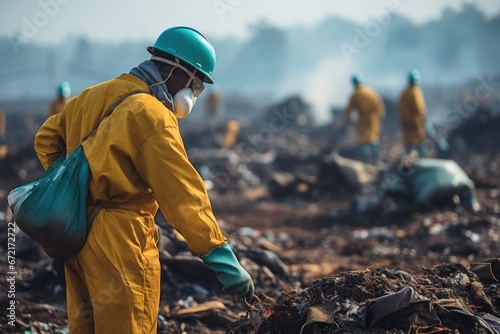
column 185, row 99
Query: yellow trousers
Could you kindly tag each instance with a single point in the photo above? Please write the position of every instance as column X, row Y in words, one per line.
column 113, row 282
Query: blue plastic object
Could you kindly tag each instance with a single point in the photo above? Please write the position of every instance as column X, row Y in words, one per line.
column 436, row 180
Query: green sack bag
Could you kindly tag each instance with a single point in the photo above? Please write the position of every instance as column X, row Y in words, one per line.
column 52, row 209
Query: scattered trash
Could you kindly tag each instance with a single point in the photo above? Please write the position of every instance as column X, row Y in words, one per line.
column 339, row 171
column 488, row 270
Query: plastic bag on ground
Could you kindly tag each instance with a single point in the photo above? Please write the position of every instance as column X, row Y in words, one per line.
column 433, row 181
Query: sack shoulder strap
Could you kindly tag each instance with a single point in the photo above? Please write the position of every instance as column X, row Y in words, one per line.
column 111, row 109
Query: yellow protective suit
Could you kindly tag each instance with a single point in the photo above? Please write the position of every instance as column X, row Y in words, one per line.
column 4, row 150
column 370, row 110
column 57, row 105
column 138, row 162
column 213, row 102
column 412, row 115
column 3, row 123
column 232, row 131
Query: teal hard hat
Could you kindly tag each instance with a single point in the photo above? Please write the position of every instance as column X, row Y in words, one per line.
column 414, row 77
column 188, row 45
column 357, row 79
column 64, row 89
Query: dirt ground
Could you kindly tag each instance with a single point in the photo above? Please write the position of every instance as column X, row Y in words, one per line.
column 312, row 243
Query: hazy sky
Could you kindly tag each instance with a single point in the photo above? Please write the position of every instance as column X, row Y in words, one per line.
column 43, row 21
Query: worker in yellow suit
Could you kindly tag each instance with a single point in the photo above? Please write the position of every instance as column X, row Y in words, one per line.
column 138, row 164
column 213, row 102
column 412, row 114
column 370, row 109
column 3, row 127
column 232, row 131
column 62, row 98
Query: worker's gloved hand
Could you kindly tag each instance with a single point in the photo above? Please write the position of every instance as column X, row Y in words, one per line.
column 229, row 271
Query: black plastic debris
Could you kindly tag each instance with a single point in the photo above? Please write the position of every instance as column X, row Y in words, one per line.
column 399, row 310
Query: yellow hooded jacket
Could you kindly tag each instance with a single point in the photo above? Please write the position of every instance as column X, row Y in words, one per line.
column 138, row 163
column 370, row 110
column 412, row 115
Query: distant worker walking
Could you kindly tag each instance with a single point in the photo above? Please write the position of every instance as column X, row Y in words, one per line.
column 370, row 110
column 62, row 98
column 139, row 164
column 412, row 114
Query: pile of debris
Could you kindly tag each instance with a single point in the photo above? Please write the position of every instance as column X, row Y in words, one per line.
column 445, row 299
column 478, row 132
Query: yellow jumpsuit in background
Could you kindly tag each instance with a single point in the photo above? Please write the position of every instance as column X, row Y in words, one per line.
column 213, row 102
column 370, row 110
column 3, row 127
column 57, row 105
column 232, row 131
column 412, row 116
column 3, row 123
column 138, row 163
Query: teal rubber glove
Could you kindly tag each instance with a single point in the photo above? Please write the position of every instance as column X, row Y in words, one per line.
column 229, row 271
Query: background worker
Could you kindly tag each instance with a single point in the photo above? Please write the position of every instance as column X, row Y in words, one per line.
column 213, row 106
column 62, row 98
column 213, row 102
column 370, row 109
column 232, row 131
column 412, row 114
column 139, row 164
column 3, row 127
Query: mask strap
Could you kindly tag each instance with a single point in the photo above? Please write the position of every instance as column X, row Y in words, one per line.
column 162, row 82
column 177, row 64
column 192, row 75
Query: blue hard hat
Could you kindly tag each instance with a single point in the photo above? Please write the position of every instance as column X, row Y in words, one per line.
column 189, row 46
column 357, row 79
column 64, row 89
column 414, row 77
